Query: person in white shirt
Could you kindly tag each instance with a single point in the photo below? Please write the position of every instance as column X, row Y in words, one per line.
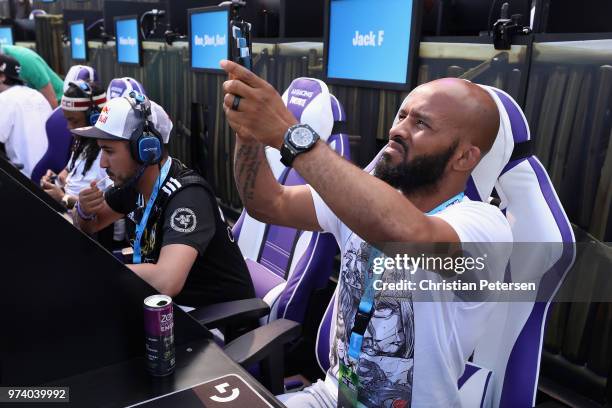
column 23, row 113
column 81, row 105
column 411, row 351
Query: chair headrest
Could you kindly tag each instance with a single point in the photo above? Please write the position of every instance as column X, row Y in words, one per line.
column 120, row 87
column 486, row 173
column 36, row 12
column 309, row 100
column 80, row 73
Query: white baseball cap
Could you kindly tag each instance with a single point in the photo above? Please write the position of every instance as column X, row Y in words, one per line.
column 120, row 119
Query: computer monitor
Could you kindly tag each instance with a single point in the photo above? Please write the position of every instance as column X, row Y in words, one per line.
column 209, row 36
column 78, row 40
column 6, row 35
column 93, row 19
column 372, row 44
column 128, row 42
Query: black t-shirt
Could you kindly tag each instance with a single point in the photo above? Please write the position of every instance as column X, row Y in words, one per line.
column 189, row 215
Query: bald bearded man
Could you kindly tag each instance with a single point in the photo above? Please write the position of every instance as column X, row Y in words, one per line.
column 391, row 350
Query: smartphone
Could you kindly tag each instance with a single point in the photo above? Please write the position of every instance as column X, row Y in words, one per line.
column 241, row 47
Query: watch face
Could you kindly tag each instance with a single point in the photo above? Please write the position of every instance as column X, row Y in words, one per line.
column 301, row 137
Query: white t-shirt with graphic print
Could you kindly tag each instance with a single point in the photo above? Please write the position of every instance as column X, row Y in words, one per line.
column 413, row 351
column 77, row 181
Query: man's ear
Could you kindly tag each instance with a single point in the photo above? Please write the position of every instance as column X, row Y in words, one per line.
column 470, row 157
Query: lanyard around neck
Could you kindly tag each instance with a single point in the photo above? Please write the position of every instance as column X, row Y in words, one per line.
column 366, row 303
column 447, row 203
column 140, row 228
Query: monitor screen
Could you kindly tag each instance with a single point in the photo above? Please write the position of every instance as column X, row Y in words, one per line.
column 371, row 42
column 78, row 41
column 208, row 37
column 128, row 40
column 6, row 35
column 92, row 19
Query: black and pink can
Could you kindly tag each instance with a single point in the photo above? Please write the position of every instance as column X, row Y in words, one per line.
column 159, row 335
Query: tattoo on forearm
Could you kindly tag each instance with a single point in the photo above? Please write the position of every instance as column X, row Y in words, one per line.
column 248, row 161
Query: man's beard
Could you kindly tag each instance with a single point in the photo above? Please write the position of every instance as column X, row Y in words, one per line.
column 117, row 180
column 419, row 175
column 126, row 181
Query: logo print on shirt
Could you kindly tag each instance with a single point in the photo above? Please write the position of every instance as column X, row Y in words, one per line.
column 183, row 220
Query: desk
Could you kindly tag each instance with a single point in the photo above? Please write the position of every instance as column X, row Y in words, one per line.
column 129, row 383
column 77, row 321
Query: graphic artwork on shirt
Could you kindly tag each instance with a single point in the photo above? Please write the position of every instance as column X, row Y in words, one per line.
column 387, row 355
column 183, row 220
column 149, row 236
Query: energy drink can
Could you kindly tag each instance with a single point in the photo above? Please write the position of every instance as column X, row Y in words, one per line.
column 159, row 335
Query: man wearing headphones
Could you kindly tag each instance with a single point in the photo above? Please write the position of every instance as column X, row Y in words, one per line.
column 182, row 245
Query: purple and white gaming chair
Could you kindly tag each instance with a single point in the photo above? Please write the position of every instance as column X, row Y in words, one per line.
column 120, row 87
column 286, row 265
column 514, row 336
column 59, row 137
column 512, row 342
column 80, row 73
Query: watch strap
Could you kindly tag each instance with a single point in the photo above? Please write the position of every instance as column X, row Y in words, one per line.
column 287, row 155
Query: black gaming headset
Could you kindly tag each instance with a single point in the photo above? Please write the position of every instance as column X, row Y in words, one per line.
column 146, row 143
column 93, row 112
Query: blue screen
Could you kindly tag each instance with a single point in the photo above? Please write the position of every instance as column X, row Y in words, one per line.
column 77, row 41
column 127, row 41
column 209, row 39
column 369, row 40
column 6, row 36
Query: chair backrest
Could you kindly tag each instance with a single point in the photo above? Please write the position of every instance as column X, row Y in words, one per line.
column 514, row 336
column 58, row 151
column 59, row 137
column 286, row 264
column 80, row 73
column 120, row 87
column 36, row 12
column 511, row 346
